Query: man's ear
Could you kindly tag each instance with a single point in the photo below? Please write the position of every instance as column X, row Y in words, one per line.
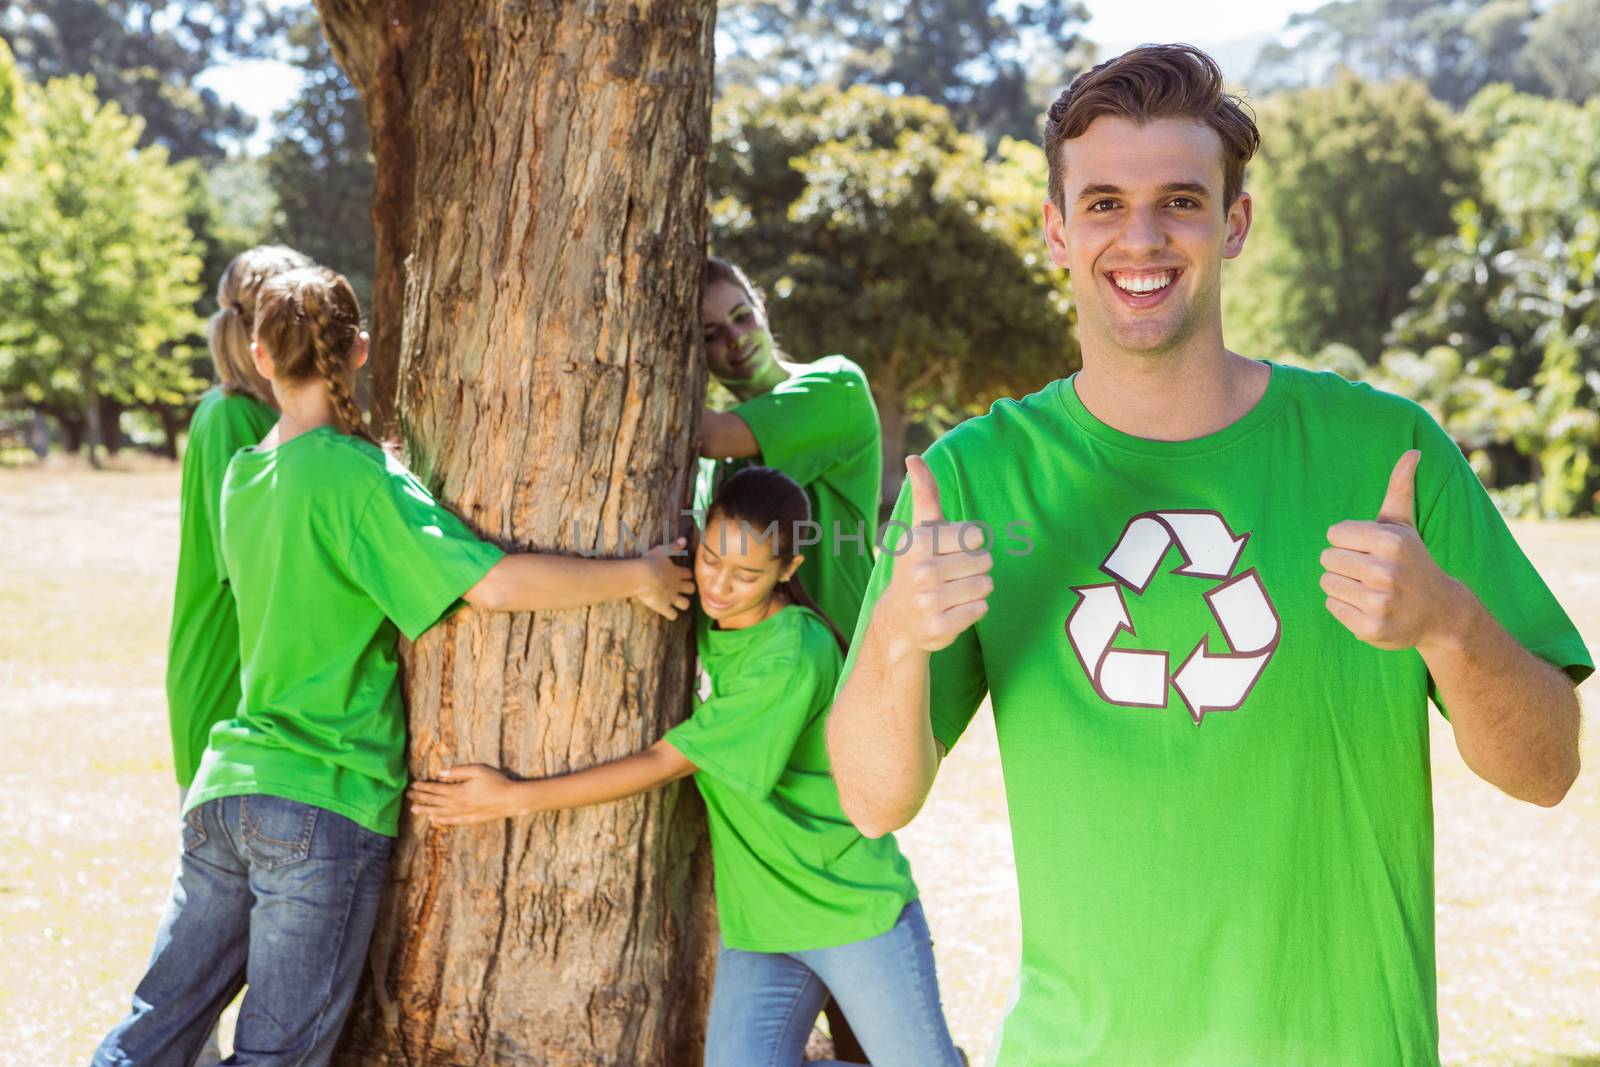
column 1055, row 235
column 1239, row 219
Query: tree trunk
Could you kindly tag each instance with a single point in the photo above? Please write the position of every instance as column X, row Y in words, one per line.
column 94, row 433
column 552, row 209
column 892, row 422
column 172, row 421
column 111, row 425
column 73, row 429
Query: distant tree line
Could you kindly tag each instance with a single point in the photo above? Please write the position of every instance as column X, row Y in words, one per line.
column 1426, row 200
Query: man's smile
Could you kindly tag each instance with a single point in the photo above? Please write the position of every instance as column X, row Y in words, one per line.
column 1143, row 288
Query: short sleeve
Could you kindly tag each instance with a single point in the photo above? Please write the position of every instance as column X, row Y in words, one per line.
column 744, row 738
column 413, row 556
column 1469, row 539
column 812, row 422
column 957, row 680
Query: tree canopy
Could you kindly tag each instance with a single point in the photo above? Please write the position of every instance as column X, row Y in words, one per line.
column 1352, row 181
column 146, row 56
column 320, row 166
column 98, row 268
column 993, row 65
column 879, row 231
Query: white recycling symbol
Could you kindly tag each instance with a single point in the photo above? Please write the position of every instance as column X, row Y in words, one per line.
column 1205, row 681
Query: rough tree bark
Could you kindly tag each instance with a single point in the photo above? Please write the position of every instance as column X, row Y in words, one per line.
column 541, row 178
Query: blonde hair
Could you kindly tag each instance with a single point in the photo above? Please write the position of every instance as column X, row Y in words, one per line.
column 231, row 328
column 309, row 321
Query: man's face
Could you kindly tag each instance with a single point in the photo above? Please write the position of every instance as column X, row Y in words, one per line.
column 1143, row 232
column 738, row 343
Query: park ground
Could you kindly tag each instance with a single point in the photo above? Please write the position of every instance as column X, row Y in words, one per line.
column 88, row 834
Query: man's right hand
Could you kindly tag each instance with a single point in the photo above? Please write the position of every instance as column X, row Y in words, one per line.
column 941, row 578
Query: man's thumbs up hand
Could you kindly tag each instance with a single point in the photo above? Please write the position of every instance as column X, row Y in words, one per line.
column 925, row 507
column 941, row 576
column 1380, row 579
column 1399, row 505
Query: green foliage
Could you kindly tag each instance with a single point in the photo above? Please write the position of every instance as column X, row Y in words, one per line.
column 1563, row 50
column 1353, row 180
column 10, row 100
column 320, row 168
column 878, row 231
column 993, row 65
column 1454, row 48
column 1514, row 288
column 245, row 202
column 97, row 264
column 146, row 55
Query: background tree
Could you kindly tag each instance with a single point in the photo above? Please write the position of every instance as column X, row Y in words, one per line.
column 983, row 60
column 540, row 178
column 1454, row 48
column 879, row 231
column 1514, row 289
column 1351, row 183
column 1563, row 51
column 97, row 267
column 10, row 101
column 146, row 56
column 320, row 172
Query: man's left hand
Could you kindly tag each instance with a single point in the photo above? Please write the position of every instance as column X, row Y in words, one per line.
column 1381, row 581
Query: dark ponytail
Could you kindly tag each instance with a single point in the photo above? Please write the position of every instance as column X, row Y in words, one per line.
column 760, row 498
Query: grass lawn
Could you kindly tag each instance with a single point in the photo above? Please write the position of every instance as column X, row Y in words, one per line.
column 89, row 834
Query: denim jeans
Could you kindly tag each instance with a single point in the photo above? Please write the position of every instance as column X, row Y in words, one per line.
column 270, row 891
column 210, row 1054
column 764, row 1003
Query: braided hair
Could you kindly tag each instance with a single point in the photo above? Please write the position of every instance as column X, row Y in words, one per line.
column 231, row 327
column 309, row 320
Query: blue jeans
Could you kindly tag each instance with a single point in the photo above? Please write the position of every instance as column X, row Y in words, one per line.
column 270, row 891
column 764, row 1003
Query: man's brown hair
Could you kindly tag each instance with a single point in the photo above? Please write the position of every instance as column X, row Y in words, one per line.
column 1154, row 81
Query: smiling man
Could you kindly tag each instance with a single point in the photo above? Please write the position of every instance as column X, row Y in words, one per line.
column 1210, row 676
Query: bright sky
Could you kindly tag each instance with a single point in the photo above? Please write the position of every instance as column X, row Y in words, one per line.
column 263, row 87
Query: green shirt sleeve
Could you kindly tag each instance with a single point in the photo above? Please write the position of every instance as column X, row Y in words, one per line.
column 413, row 556
column 744, row 737
column 1469, row 539
column 812, row 422
column 956, row 678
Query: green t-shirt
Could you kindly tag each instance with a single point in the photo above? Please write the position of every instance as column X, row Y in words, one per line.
column 792, row 873
column 821, row 429
column 1202, row 886
column 203, row 647
column 331, row 546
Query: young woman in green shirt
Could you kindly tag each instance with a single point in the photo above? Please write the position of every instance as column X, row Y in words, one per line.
column 815, row 422
column 333, row 549
column 203, row 648
column 805, row 903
